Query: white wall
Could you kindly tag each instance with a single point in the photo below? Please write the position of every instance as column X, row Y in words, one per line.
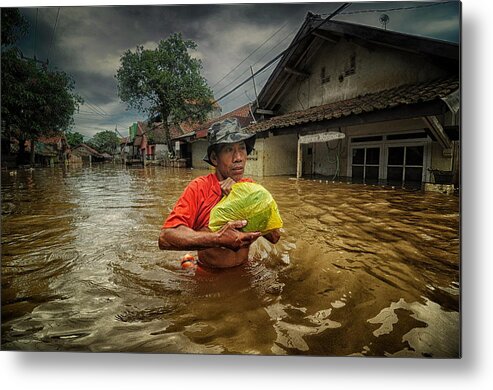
column 376, row 69
column 255, row 162
column 275, row 155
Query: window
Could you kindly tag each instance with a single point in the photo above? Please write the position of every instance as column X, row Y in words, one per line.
column 400, row 158
column 324, row 78
column 366, row 163
column 351, row 69
column 405, row 163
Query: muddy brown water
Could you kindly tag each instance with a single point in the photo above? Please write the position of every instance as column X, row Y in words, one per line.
column 360, row 270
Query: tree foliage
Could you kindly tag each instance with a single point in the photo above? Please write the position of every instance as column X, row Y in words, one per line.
column 166, row 82
column 35, row 101
column 74, row 138
column 14, row 26
column 105, row 142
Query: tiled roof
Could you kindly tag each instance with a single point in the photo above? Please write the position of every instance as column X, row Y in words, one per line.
column 55, row 141
column 85, row 150
column 50, row 140
column 389, row 98
column 157, row 133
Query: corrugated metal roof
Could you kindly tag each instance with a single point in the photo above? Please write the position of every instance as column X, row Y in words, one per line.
column 389, row 98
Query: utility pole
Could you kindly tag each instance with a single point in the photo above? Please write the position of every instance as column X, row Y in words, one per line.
column 254, row 86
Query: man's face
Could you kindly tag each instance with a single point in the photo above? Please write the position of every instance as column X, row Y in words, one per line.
column 230, row 161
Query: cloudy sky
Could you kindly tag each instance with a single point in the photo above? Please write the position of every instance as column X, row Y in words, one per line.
column 88, row 41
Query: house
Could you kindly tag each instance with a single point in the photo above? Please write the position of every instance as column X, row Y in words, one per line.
column 49, row 150
column 192, row 144
column 157, row 139
column 179, row 136
column 125, row 148
column 360, row 102
column 146, row 141
column 83, row 153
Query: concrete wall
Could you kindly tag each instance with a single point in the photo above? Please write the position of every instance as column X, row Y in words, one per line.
column 438, row 161
column 280, row 155
column 161, row 151
column 327, row 157
column 254, row 166
column 325, row 160
column 199, row 149
column 275, row 155
column 376, row 68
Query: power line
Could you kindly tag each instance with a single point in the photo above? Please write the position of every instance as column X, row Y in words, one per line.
column 93, row 110
column 53, row 34
column 244, row 92
column 260, row 59
column 99, row 108
column 296, row 43
column 394, row 9
column 96, row 109
column 35, row 31
column 253, row 52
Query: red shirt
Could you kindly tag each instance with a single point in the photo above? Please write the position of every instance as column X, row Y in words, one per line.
column 195, row 204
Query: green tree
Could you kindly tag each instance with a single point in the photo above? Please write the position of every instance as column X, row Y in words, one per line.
column 105, row 141
column 35, row 100
column 74, row 138
column 14, row 26
column 165, row 82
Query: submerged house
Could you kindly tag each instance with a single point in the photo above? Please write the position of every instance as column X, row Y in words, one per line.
column 360, row 102
column 83, row 153
column 49, row 150
column 147, row 141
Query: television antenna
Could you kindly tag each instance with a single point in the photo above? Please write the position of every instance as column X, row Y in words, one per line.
column 384, row 19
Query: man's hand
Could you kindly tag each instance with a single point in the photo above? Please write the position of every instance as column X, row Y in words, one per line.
column 230, row 237
column 226, row 185
column 273, row 236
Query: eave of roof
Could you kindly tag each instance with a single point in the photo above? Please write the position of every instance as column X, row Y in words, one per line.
column 404, row 95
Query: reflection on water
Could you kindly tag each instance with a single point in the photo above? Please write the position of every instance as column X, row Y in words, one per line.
column 360, row 270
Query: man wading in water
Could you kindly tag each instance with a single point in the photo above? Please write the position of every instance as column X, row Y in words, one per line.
column 186, row 228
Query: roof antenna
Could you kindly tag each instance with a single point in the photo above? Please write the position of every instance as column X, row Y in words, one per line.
column 384, row 19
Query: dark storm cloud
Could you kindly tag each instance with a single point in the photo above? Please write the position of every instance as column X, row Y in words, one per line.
column 89, row 42
column 105, row 91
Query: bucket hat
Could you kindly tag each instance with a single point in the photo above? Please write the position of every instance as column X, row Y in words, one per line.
column 228, row 131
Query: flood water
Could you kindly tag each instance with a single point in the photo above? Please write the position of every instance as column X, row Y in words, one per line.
column 359, row 270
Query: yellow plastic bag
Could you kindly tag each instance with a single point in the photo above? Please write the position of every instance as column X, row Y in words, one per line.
column 250, row 202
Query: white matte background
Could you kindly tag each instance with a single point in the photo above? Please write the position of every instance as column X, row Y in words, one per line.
column 474, row 371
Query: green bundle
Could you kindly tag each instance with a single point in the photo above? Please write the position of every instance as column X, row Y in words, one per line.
column 250, row 202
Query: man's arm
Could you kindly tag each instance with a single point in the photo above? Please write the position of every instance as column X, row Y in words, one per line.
column 185, row 238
